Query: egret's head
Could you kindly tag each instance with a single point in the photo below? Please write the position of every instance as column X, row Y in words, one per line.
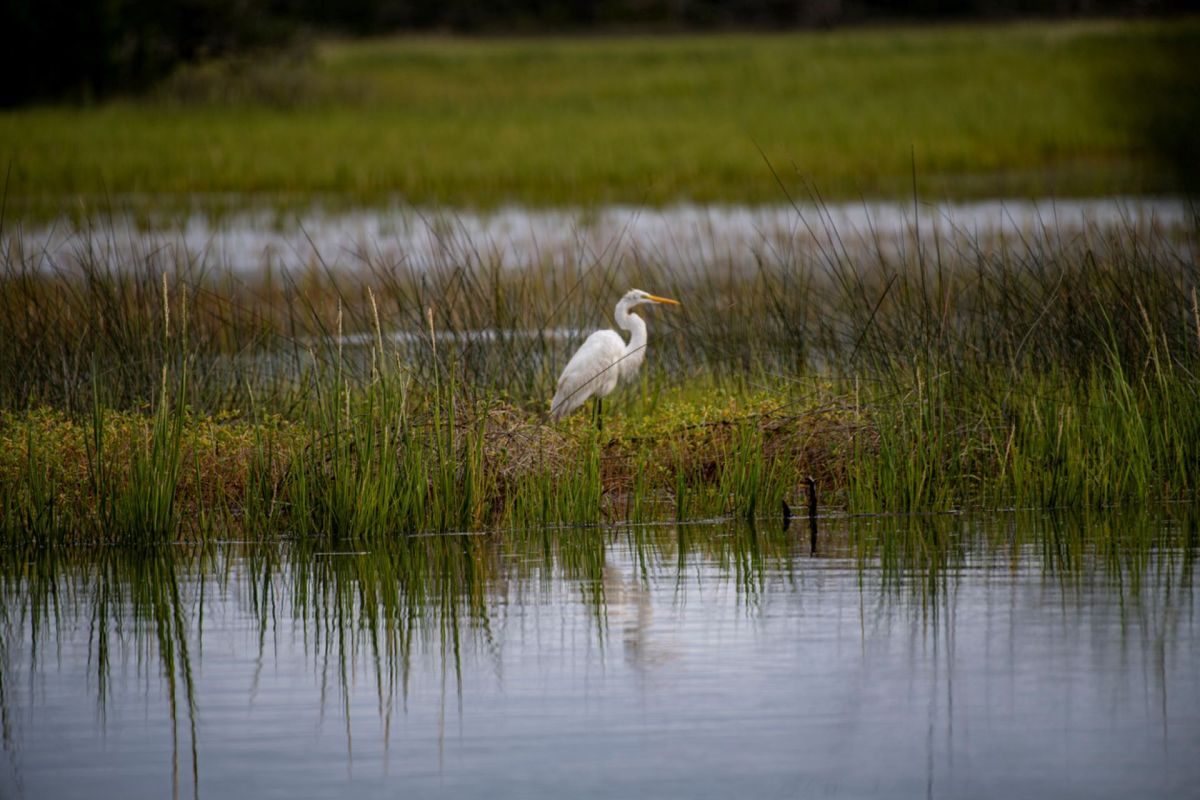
column 636, row 297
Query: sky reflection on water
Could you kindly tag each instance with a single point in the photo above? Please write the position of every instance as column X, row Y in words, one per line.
column 1009, row 656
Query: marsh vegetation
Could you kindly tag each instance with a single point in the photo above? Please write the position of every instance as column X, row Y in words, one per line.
column 181, row 399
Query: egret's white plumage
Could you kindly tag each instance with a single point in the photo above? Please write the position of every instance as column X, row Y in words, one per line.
column 605, row 359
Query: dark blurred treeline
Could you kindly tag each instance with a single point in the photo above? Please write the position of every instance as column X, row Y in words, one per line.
column 81, row 49
column 543, row 15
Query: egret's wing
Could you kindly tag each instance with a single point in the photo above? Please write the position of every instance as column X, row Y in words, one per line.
column 592, row 370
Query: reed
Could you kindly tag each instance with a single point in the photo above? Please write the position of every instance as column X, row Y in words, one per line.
column 177, row 399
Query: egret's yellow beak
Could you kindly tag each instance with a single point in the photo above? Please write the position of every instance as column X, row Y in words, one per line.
column 658, row 299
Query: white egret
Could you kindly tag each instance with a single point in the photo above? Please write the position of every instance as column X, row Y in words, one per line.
column 604, row 359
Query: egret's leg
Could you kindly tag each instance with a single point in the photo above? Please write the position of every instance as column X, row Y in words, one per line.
column 599, row 414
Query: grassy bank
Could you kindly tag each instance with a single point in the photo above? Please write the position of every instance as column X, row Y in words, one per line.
column 1067, row 108
column 181, row 400
column 375, row 467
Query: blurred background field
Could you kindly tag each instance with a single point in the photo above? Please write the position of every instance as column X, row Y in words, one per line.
column 1064, row 108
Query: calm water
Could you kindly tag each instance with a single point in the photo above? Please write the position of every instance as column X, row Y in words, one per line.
column 945, row 657
column 681, row 236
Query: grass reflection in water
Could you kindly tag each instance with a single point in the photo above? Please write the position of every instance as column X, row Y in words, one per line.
column 450, row 603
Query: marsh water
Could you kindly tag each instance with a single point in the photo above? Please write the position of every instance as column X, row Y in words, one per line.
column 1010, row 655
column 251, row 239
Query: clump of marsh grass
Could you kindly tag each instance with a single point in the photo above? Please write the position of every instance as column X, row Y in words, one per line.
column 932, row 374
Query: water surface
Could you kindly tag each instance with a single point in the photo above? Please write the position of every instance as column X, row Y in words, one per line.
column 513, row 237
column 1019, row 655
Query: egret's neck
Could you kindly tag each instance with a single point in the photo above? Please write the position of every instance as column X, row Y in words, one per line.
column 634, row 324
column 635, row 350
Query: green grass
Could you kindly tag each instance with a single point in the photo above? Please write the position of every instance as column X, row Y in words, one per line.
column 181, row 400
column 1067, row 108
column 385, row 453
